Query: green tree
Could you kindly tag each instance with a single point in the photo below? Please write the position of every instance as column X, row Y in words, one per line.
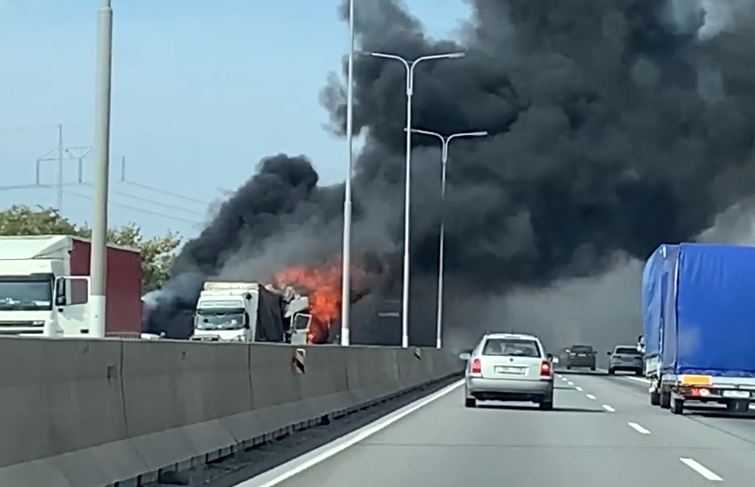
column 157, row 253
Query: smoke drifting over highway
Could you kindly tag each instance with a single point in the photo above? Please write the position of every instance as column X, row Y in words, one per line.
column 615, row 125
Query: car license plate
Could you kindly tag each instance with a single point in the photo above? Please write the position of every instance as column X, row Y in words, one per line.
column 510, row 370
column 737, row 394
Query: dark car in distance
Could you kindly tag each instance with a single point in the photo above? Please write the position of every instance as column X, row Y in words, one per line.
column 579, row 357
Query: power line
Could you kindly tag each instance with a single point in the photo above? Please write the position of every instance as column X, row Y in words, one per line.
column 27, row 127
column 129, row 207
column 162, row 191
column 157, row 190
column 116, row 204
column 141, row 198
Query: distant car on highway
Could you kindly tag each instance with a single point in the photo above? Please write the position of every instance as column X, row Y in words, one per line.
column 579, row 357
column 508, row 367
column 625, row 358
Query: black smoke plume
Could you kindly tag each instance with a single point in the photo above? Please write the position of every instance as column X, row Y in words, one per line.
column 615, row 125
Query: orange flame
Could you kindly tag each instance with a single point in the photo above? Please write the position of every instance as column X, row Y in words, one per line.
column 323, row 287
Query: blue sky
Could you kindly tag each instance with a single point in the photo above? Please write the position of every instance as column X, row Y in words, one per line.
column 202, row 90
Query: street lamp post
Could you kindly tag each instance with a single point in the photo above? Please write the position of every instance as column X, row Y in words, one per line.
column 346, row 258
column 445, row 141
column 102, row 166
column 409, row 65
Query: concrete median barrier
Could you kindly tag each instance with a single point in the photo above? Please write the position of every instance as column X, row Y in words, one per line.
column 90, row 413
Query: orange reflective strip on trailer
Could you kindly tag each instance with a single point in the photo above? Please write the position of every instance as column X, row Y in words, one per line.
column 696, row 380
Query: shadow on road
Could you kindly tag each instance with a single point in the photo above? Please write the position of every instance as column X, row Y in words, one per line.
column 717, row 412
column 534, row 407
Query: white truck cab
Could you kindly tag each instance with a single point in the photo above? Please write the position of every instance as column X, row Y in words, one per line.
column 229, row 311
column 38, row 297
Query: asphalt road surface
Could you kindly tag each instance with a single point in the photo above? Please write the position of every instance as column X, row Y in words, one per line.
column 602, row 432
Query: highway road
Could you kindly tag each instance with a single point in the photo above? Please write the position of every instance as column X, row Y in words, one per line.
column 602, row 432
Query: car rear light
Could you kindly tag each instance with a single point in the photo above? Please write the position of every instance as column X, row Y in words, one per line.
column 476, row 366
column 545, row 369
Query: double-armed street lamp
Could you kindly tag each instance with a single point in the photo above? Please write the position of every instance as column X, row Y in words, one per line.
column 445, row 141
column 409, row 65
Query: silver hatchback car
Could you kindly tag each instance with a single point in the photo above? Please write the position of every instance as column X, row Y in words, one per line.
column 509, row 367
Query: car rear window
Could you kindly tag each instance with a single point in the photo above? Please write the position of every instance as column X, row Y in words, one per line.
column 581, row 348
column 511, row 347
column 627, row 351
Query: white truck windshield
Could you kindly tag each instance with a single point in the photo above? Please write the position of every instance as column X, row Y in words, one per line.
column 25, row 294
column 218, row 319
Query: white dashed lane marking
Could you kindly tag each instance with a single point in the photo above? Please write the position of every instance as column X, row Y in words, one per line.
column 638, row 428
column 701, row 469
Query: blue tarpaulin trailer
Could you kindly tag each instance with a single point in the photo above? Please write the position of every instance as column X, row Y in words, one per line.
column 699, row 325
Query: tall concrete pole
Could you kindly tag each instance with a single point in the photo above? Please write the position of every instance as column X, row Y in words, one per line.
column 98, row 303
column 346, row 261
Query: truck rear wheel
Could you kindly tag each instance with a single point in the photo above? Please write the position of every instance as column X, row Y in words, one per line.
column 677, row 406
column 665, row 402
column 655, row 398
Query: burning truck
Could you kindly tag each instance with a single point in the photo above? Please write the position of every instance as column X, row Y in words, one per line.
column 252, row 312
column 301, row 305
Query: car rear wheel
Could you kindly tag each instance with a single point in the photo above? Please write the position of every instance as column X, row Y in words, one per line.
column 470, row 402
column 546, row 403
column 611, row 371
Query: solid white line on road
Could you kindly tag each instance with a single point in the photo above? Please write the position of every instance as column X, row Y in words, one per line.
column 298, row 465
column 638, row 428
column 590, row 396
column 638, row 379
column 609, row 408
column 701, row 470
column 579, row 389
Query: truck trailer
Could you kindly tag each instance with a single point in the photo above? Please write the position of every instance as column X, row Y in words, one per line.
column 698, row 334
column 251, row 312
column 44, row 287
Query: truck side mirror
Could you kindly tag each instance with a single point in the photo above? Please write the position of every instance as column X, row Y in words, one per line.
column 246, row 320
column 608, row 353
